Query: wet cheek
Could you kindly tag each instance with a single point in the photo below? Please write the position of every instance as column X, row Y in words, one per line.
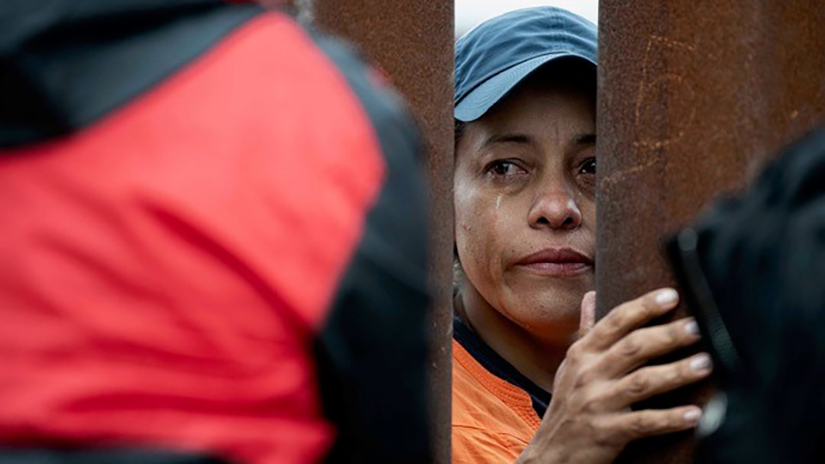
column 477, row 240
column 470, row 237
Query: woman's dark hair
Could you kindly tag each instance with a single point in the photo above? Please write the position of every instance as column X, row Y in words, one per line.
column 459, row 130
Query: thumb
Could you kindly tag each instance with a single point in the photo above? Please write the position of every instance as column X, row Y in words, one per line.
column 588, row 313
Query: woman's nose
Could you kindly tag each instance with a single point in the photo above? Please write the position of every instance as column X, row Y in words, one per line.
column 555, row 209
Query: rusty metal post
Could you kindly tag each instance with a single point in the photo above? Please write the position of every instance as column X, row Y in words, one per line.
column 412, row 41
column 694, row 96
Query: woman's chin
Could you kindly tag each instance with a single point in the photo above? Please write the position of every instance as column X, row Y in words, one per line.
column 553, row 319
column 557, row 296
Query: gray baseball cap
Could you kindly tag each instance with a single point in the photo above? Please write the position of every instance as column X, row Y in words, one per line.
column 496, row 55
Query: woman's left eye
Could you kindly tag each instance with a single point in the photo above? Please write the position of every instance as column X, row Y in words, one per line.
column 588, row 166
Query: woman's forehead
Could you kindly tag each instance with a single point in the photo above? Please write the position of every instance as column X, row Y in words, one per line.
column 532, row 111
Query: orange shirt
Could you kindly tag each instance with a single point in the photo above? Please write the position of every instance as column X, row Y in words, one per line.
column 493, row 420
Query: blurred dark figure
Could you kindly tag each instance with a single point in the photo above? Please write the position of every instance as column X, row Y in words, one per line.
column 754, row 273
column 214, row 233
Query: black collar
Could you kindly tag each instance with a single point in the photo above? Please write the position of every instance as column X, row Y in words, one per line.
column 498, row 366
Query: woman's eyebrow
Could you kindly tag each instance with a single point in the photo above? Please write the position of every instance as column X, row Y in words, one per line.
column 507, row 138
column 585, row 139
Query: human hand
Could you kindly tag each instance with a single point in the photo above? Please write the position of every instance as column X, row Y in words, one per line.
column 589, row 420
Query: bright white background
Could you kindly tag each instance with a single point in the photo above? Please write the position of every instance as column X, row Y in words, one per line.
column 468, row 13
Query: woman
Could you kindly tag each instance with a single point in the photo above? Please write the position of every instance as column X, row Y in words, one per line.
column 525, row 231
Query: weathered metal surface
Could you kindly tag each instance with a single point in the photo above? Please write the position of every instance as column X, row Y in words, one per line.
column 412, row 41
column 694, row 96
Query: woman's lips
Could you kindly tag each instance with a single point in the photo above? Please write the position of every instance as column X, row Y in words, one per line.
column 557, row 262
column 557, row 269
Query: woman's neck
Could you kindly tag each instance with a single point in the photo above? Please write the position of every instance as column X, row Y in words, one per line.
column 535, row 358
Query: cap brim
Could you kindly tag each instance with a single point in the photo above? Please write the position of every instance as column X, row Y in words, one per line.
column 483, row 97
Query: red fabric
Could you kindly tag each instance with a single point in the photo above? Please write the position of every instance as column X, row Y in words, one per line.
column 164, row 271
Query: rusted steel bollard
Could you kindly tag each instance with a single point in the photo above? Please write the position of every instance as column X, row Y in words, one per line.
column 694, row 96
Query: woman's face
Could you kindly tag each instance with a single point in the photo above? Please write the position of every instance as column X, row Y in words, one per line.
column 525, row 206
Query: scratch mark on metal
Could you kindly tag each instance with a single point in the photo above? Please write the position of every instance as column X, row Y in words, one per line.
column 645, row 84
column 672, row 43
column 619, row 176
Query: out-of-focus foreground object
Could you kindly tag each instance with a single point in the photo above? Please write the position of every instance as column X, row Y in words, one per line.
column 694, row 97
column 412, row 41
column 752, row 270
column 214, row 241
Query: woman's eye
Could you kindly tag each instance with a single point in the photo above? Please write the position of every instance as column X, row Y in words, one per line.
column 588, row 166
column 504, row 168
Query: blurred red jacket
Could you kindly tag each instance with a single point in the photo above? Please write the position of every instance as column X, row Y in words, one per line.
column 214, row 241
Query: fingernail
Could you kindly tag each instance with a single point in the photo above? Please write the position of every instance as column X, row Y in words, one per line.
column 692, row 328
column 692, row 416
column 667, row 297
column 700, row 363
